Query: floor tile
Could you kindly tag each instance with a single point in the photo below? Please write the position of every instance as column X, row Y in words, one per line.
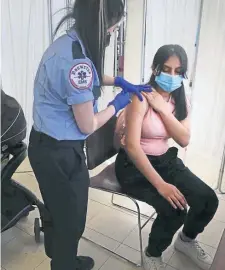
column 113, row 223
column 99, row 255
column 9, row 235
column 94, row 208
column 168, row 267
column 212, row 234
column 26, row 180
column 129, row 253
column 132, row 239
column 180, row 261
column 126, row 202
column 101, row 239
column 27, row 224
column 105, row 198
column 223, row 184
column 45, row 265
column 32, row 185
column 22, row 253
column 220, row 214
column 100, row 196
column 117, row 264
column 25, row 166
column 221, row 196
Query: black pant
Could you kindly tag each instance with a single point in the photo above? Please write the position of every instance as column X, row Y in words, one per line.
column 201, row 198
column 63, row 178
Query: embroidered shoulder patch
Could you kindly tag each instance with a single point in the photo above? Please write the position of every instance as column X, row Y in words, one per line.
column 81, row 76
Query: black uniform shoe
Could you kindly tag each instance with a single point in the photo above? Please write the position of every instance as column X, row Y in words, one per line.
column 85, row 263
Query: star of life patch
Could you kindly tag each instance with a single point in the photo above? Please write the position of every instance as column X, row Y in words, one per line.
column 81, row 76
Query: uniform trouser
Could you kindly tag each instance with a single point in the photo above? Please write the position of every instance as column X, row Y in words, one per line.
column 201, row 198
column 63, row 178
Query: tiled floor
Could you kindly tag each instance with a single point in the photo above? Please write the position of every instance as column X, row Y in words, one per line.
column 20, row 252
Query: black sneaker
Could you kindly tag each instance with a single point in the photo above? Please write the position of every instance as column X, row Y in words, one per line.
column 85, row 263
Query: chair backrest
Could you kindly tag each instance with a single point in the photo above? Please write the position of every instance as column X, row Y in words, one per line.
column 19, row 154
column 100, row 144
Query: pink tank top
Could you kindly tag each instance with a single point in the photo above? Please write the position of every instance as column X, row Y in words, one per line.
column 154, row 136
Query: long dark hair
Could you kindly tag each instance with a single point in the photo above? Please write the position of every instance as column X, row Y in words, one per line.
column 92, row 19
column 162, row 55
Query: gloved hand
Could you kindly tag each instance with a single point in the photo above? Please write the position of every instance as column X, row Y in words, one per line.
column 120, row 101
column 131, row 88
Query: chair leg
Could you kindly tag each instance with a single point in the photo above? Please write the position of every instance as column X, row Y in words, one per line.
column 139, row 231
column 140, row 227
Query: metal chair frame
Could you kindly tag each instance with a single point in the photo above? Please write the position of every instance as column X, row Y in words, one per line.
column 140, row 227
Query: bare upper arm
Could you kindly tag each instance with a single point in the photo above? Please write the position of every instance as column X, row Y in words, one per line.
column 186, row 122
column 84, row 116
column 135, row 113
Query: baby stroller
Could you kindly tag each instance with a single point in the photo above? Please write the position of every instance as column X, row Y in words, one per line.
column 16, row 200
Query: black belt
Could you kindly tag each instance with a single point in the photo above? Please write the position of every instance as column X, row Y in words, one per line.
column 38, row 137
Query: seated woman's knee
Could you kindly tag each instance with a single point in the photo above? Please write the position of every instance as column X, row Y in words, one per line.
column 168, row 211
column 212, row 201
column 207, row 201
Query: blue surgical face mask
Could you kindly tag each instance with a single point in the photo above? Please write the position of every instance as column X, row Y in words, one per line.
column 169, row 83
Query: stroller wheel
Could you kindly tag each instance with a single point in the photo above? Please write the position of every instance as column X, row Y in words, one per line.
column 37, row 230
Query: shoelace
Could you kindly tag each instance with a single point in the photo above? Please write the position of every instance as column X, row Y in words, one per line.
column 201, row 250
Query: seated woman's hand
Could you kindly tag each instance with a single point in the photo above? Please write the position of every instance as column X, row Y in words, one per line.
column 173, row 196
column 156, row 101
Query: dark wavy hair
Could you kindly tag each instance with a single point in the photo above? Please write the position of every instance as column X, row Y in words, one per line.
column 161, row 56
column 92, row 20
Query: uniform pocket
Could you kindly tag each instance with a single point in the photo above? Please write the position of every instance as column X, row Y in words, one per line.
column 80, row 166
column 67, row 161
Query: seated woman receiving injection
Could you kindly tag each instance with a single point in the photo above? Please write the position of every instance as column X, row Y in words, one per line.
column 150, row 171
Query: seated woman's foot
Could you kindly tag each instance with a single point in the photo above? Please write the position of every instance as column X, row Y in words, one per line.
column 193, row 250
column 153, row 263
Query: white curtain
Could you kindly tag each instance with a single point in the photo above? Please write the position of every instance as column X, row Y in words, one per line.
column 25, row 35
column 170, row 22
column 59, row 9
column 208, row 97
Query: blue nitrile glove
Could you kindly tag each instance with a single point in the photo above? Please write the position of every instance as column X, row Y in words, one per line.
column 131, row 88
column 120, row 101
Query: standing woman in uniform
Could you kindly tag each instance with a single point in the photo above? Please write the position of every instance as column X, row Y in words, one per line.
column 66, row 89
